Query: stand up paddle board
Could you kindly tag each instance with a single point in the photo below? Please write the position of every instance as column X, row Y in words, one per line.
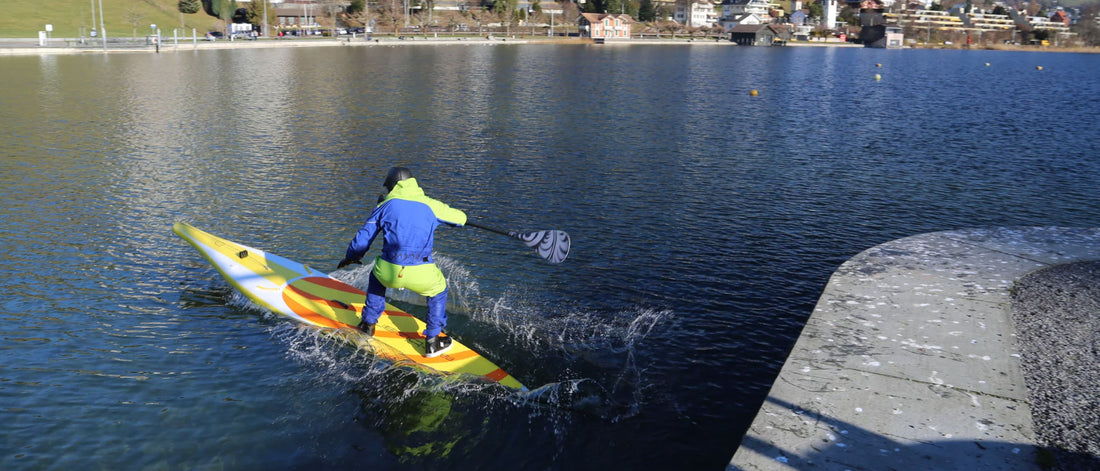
column 306, row 295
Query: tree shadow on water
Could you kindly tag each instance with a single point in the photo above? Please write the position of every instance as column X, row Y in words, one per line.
column 845, row 446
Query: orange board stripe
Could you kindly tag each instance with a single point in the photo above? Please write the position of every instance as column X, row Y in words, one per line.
column 310, row 315
column 497, row 375
column 324, row 321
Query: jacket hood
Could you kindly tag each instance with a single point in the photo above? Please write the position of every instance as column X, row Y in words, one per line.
column 405, row 189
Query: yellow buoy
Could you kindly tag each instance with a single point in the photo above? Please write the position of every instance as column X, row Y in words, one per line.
column 987, row 64
column 878, row 77
column 1038, row 67
column 754, row 93
column 878, row 65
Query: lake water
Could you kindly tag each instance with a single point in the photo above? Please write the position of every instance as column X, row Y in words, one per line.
column 705, row 223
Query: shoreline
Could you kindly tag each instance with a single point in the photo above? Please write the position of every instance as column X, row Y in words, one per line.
column 29, row 46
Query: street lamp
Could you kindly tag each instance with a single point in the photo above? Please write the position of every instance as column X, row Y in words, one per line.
column 102, row 28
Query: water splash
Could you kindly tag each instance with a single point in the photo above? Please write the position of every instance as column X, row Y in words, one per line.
column 588, row 358
column 590, row 355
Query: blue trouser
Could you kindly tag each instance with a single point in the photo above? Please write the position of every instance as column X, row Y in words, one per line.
column 422, row 279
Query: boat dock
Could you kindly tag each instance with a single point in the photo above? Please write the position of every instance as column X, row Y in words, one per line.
column 910, row 360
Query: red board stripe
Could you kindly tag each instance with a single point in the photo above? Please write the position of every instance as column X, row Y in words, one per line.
column 398, row 314
column 312, row 297
column 334, row 284
column 397, row 335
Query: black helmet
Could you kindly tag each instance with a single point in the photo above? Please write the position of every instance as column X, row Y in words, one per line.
column 396, row 174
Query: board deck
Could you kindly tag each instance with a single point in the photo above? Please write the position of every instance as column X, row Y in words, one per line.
column 297, row 291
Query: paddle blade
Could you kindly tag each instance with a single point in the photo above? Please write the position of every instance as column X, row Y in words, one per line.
column 551, row 245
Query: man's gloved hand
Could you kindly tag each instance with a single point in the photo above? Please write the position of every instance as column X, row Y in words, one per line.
column 345, row 262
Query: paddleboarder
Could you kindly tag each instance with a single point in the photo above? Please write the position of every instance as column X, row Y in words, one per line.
column 407, row 219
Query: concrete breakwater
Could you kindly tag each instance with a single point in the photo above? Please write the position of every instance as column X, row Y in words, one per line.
column 911, row 359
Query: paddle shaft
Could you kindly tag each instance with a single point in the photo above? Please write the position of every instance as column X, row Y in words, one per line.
column 490, row 229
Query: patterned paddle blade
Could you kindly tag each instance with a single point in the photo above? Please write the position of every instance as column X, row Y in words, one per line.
column 551, row 245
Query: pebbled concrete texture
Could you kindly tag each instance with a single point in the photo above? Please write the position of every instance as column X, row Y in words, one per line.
column 911, row 359
column 1057, row 315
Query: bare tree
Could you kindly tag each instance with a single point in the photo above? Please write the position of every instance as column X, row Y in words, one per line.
column 717, row 30
column 332, row 10
column 670, row 27
column 134, row 17
column 1088, row 29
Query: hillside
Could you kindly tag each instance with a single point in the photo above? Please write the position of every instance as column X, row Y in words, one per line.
column 24, row 19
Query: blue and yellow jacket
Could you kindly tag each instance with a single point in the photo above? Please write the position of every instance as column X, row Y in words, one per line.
column 407, row 219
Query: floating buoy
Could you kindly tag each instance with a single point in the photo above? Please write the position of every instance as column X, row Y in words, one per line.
column 878, row 77
column 1038, row 67
column 987, row 64
column 878, row 65
column 753, row 93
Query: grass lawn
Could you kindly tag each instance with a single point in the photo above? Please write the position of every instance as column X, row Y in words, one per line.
column 123, row 18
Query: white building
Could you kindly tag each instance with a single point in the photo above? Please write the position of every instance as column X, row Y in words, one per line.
column 695, row 13
column 743, row 19
column 732, row 8
column 744, row 12
column 831, row 12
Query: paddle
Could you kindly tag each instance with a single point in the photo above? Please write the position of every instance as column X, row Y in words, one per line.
column 551, row 245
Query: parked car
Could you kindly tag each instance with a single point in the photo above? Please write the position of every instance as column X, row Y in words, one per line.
column 214, row 35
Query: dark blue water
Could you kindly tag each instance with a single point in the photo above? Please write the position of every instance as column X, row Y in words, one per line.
column 705, row 223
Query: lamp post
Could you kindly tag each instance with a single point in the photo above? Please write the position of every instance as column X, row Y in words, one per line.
column 102, row 29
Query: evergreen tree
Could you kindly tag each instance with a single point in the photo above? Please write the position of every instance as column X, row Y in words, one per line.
column 255, row 13
column 504, row 7
column 646, row 11
column 189, row 6
column 815, row 10
column 228, row 9
column 595, row 6
column 223, row 9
